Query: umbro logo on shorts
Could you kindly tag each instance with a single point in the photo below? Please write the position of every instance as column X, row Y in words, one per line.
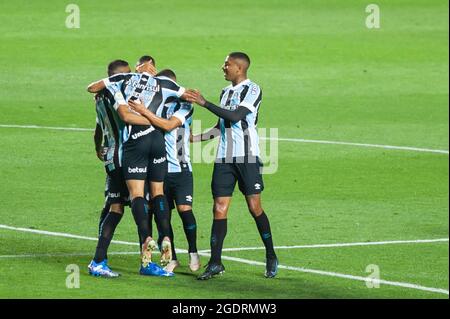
column 159, row 160
column 142, row 133
column 189, row 198
column 257, row 186
column 134, row 170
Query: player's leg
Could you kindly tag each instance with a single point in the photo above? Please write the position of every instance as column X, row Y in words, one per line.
column 251, row 185
column 135, row 167
column 222, row 186
column 184, row 195
column 157, row 173
column 169, row 194
column 105, row 209
column 116, row 195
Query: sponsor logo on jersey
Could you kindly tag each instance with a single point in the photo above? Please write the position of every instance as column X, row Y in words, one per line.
column 142, row 133
column 113, row 195
column 145, row 87
column 134, row 170
column 159, row 160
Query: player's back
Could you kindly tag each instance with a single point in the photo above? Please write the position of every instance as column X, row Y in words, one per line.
column 112, row 128
column 152, row 91
column 177, row 140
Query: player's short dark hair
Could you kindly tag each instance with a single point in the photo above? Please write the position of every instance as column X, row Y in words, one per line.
column 167, row 73
column 147, row 58
column 240, row 56
column 114, row 65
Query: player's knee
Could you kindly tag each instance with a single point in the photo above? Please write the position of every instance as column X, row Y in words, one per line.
column 156, row 189
column 184, row 208
column 116, row 208
column 220, row 210
column 254, row 206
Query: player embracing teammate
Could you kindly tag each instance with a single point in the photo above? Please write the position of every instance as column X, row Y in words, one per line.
column 158, row 112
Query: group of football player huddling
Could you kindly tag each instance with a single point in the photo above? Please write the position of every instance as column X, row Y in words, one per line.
column 143, row 136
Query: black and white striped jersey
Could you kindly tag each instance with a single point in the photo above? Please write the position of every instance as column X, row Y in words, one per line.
column 153, row 91
column 240, row 139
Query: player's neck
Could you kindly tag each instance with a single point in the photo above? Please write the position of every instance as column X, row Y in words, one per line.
column 240, row 79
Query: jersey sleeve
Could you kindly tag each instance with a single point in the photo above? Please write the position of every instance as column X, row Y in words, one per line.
column 170, row 88
column 184, row 113
column 113, row 84
column 252, row 98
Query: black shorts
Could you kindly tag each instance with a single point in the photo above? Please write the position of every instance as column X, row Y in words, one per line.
column 248, row 176
column 144, row 155
column 179, row 188
column 116, row 188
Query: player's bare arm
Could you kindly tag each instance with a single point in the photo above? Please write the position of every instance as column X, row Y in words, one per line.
column 96, row 86
column 166, row 125
column 131, row 118
column 147, row 67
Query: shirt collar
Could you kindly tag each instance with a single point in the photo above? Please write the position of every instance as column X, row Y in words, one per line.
column 242, row 83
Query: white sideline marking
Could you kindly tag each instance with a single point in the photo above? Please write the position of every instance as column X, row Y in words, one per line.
column 392, row 147
column 252, row 262
column 297, row 140
column 370, row 243
column 339, row 275
column 47, row 127
column 49, row 233
column 66, row 254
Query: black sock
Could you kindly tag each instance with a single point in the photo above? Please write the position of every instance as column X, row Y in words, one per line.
column 150, row 219
column 262, row 222
column 140, row 214
column 105, row 212
column 161, row 235
column 161, row 211
column 218, row 233
column 190, row 229
column 171, row 235
column 107, row 229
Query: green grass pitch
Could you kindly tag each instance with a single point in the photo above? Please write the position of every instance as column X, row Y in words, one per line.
column 325, row 76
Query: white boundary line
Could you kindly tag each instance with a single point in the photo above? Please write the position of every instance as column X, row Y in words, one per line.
column 79, row 129
column 65, row 255
column 252, row 262
column 297, row 140
column 371, row 243
column 345, row 276
column 392, row 147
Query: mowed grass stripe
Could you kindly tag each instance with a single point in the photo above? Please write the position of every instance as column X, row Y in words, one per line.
column 297, row 140
column 254, row 263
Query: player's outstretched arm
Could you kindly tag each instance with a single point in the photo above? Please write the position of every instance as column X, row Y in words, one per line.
column 166, row 125
column 128, row 117
column 234, row 116
column 96, row 86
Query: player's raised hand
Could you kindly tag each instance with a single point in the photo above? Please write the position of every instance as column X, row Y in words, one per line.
column 146, row 67
column 137, row 106
column 194, row 96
